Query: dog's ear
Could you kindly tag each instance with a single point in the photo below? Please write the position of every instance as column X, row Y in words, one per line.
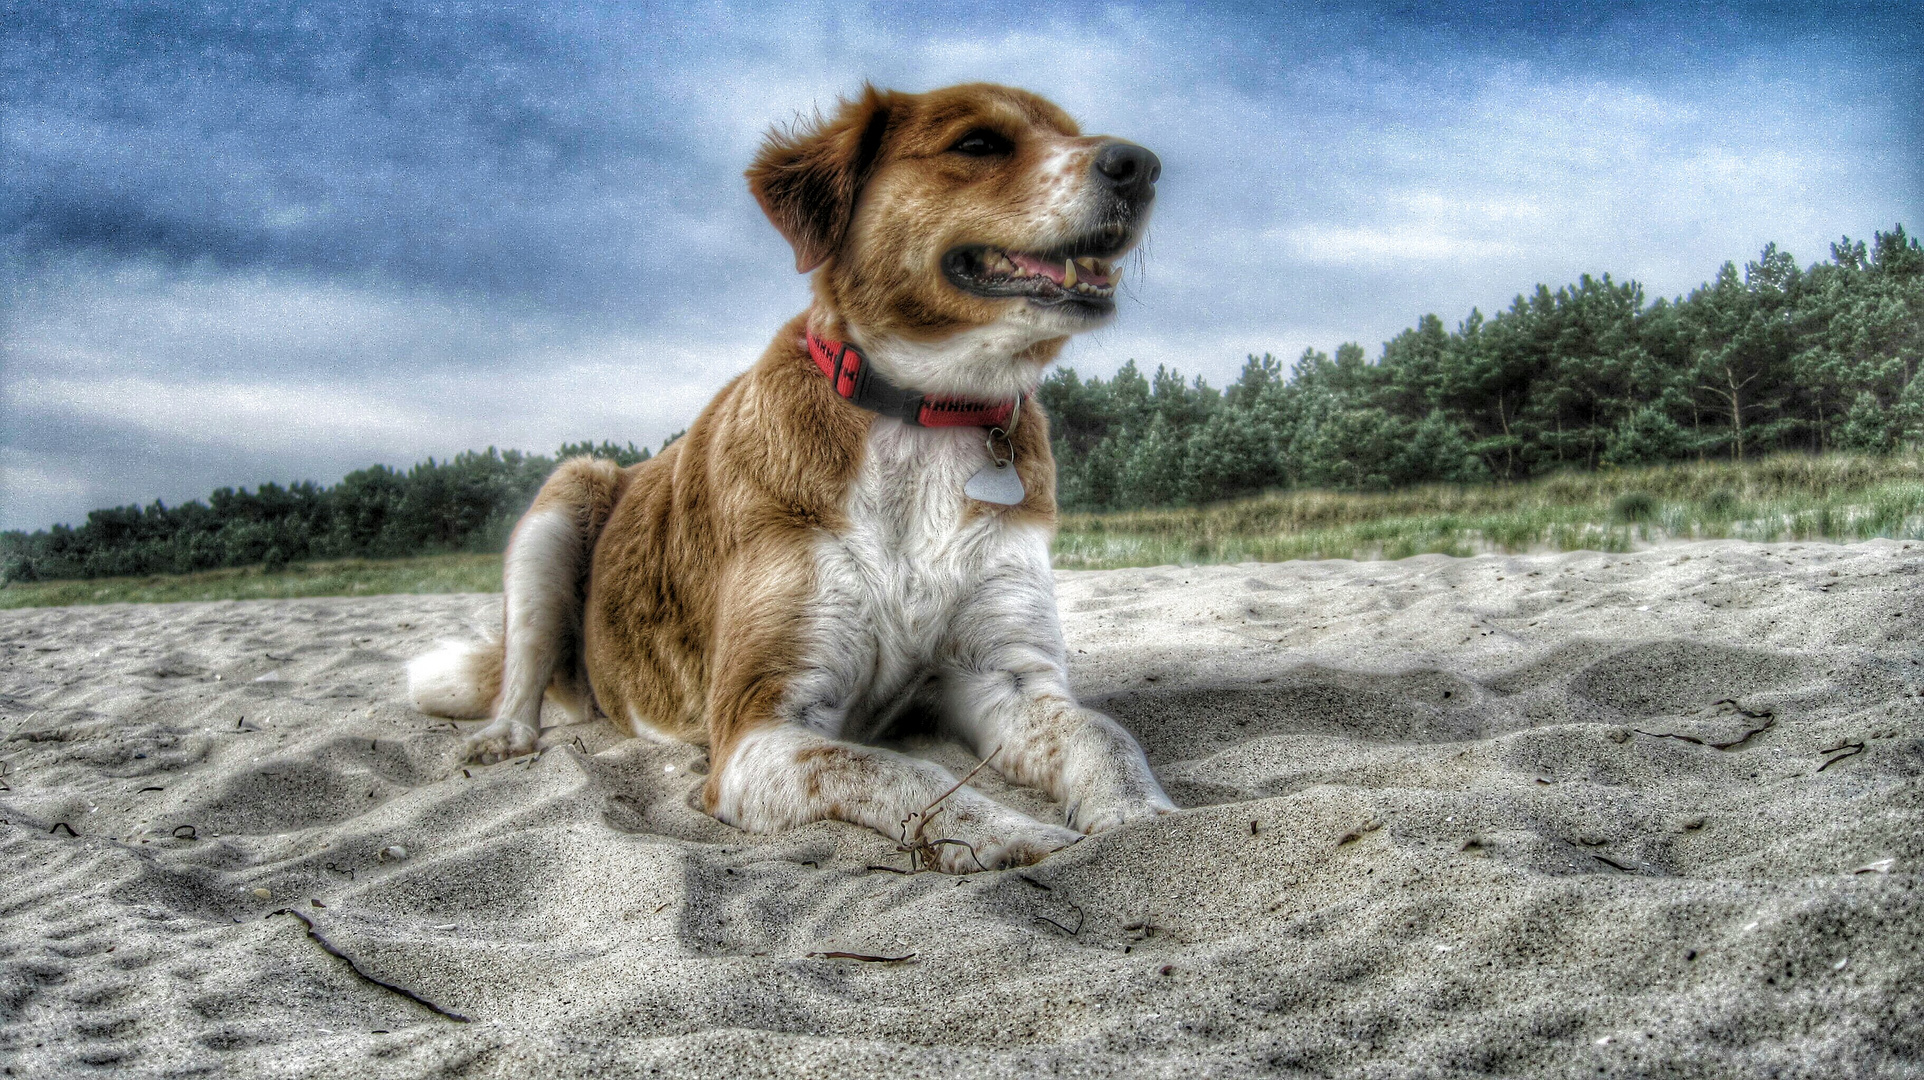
column 808, row 177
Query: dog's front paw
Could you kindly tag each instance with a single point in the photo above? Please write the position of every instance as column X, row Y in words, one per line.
column 976, row 833
column 1012, row 845
column 1100, row 813
column 500, row 741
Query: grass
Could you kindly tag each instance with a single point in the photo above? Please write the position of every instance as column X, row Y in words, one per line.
column 1790, row 497
column 345, row 577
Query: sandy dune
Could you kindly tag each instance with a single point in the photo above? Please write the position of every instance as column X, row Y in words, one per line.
column 1650, row 814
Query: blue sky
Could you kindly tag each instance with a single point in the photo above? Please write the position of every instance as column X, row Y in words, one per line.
column 244, row 244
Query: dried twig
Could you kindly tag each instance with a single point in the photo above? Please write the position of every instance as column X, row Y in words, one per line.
column 922, row 851
column 1769, row 722
column 957, row 786
column 1059, row 926
column 1692, row 739
column 59, row 825
column 864, row 957
column 1612, row 862
column 329, row 948
column 1850, row 750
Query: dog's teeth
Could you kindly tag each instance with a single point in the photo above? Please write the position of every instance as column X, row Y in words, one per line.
column 1088, row 263
column 1069, row 274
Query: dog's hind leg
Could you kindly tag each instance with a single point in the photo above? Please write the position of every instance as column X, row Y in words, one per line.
column 544, row 576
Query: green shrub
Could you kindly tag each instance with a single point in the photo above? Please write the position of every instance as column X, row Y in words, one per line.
column 1634, row 507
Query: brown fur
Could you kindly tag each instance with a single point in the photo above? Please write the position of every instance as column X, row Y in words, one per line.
column 680, row 595
column 700, row 575
column 586, row 489
column 724, row 514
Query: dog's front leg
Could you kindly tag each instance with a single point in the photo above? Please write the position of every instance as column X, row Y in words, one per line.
column 1006, row 691
column 780, row 687
column 783, row 775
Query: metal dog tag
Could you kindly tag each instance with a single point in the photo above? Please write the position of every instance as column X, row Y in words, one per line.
column 996, row 483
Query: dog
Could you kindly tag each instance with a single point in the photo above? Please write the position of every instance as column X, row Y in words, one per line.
column 860, row 523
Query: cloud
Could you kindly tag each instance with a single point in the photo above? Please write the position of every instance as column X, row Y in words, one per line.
column 273, row 243
column 1326, row 244
column 139, row 383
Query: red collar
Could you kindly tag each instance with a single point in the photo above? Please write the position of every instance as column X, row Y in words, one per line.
column 849, row 373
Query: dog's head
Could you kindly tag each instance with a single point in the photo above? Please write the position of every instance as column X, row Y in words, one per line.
column 929, row 215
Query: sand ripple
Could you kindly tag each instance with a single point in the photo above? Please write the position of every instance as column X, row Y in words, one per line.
column 1649, row 814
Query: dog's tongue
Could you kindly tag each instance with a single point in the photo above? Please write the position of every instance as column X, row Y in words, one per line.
column 1054, row 271
column 1035, row 267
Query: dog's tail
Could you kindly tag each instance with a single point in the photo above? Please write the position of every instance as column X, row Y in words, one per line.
column 459, row 680
column 544, row 576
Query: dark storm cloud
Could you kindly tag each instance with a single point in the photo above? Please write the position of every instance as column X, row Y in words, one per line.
column 546, row 153
column 472, row 152
column 274, row 241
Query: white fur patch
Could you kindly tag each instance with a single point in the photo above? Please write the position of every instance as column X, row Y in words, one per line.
column 977, row 363
column 917, row 599
column 456, row 680
column 642, row 729
column 540, row 579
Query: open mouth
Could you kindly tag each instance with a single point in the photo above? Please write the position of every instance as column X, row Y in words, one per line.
column 1047, row 278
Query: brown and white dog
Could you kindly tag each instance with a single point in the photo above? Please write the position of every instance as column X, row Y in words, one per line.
column 804, row 565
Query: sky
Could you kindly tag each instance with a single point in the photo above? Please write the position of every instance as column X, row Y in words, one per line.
column 253, row 242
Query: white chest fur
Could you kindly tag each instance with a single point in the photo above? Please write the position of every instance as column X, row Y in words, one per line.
column 890, row 588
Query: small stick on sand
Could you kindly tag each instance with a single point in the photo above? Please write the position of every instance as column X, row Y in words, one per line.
column 1850, row 750
column 864, row 957
column 1669, row 735
column 329, row 948
column 1059, row 926
column 1769, row 722
column 921, row 851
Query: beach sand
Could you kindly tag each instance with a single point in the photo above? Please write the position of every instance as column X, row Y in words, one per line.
column 1650, row 814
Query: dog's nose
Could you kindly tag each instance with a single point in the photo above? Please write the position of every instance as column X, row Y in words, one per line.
column 1132, row 170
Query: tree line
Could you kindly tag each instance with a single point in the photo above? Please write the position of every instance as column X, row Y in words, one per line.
column 469, row 502
column 1766, row 359
column 1769, row 358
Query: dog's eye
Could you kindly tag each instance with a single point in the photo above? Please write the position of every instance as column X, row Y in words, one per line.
column 981, row 142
